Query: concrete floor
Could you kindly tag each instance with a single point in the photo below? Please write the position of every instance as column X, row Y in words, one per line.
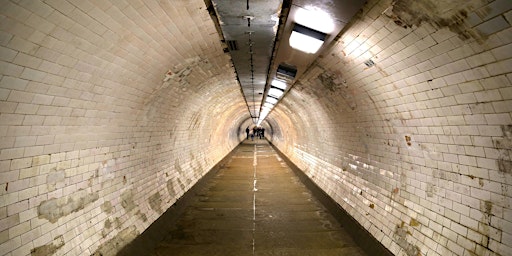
column 255, row 205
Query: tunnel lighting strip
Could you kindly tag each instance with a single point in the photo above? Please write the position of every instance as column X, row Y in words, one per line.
column 306, row 39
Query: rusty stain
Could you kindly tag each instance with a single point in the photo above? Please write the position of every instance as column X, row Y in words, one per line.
column 124, row 179
column 6, row 186
column 395, row 190
column 408, row 140
column 414, row 223
column 372, row 206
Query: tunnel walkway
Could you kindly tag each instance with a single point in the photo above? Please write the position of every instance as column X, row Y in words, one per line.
column 255, row 205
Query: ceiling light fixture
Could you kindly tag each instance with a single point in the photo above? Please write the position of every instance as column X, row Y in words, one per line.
column 279, row 84
column 271, row 100
column 268, row 105
column 306, row 39
column 275, row 92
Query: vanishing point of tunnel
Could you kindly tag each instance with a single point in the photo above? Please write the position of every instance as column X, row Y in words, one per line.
column 130, row 127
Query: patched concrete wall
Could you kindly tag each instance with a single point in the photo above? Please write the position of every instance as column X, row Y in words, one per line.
column 416, row 147
column 109, row 112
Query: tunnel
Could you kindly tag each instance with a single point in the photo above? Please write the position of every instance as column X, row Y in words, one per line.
column 112, row 110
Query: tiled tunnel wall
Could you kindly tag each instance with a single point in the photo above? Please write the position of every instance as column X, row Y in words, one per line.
column 417, row 146
column 111, row 110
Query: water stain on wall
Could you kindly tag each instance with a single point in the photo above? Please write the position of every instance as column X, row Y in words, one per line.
column 400, row 236
column 441, row 14
column 155, row 202
column 111, row 247
column 127, row 200
column 54, row 178
column 170, row 188
column 55, row 208
column 107, row 207
column 504, row 147
column 48, row 249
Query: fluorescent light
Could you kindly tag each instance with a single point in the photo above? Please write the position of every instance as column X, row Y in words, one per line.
column 275, row 92
column 306, row 39
column 268, row 105
column 271, row 100
column 279, row 84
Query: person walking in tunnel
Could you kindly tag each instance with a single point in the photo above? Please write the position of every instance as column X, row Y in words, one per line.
column 247, row 131
column 254, row 132
column 262, row 132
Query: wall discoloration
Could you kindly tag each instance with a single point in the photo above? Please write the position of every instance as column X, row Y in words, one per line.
column 107, row 207
column 127, row 200
column 142, row 216
column 55, row 179
column 504, row 147
column 155, row 202
column 48, row 249
column 401, row 239
column 115, row 244
column 449, row 14
column 336, row 84
column 107, row 226
column 56, row 208
column 170, row 189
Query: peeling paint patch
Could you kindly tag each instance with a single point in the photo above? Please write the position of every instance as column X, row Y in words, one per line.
column 114, row 245
column 48, row 249
column 55, row 208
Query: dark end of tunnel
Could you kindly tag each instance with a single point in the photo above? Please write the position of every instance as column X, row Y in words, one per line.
column 159, row 229
column 361, row 236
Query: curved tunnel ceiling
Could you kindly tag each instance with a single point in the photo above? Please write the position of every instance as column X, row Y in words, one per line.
column 249, row 29
column 257, row 35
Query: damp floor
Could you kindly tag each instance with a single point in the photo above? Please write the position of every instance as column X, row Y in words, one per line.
column 254, row 205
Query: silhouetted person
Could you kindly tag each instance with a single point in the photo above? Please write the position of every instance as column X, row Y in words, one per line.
column 247, row 131
column 262, row 132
